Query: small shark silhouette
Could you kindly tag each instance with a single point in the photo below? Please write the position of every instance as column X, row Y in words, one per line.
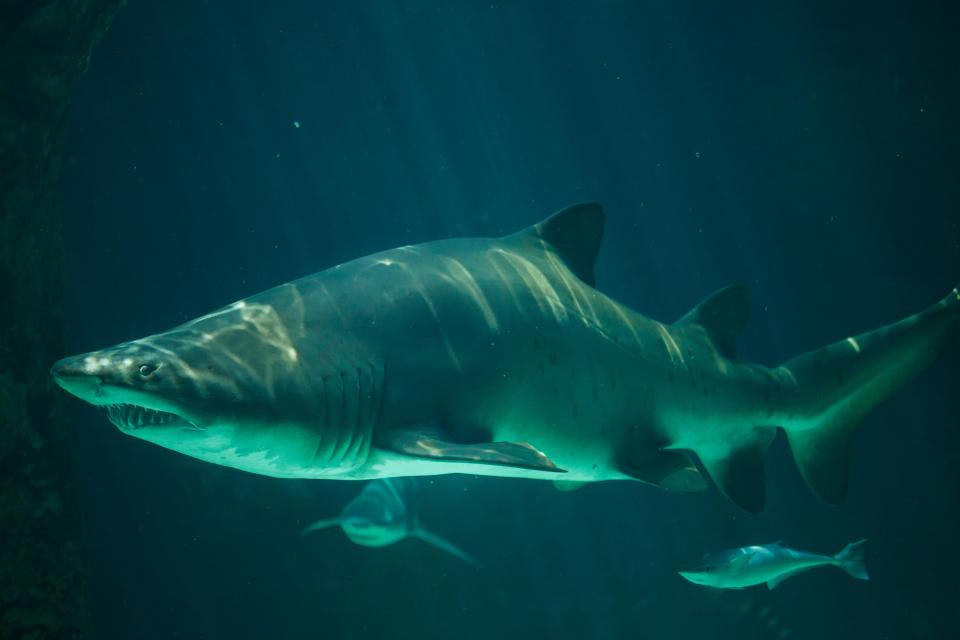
column 385, row 512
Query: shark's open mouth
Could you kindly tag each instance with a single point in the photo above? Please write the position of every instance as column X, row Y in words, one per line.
column 130, row 416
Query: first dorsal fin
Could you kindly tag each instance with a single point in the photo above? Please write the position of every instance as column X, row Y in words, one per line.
column 575, row 234
column 723, row 315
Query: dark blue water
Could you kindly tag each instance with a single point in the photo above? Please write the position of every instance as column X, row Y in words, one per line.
column 806, row 149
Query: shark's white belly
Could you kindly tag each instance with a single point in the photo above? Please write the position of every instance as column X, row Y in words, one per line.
column 287, row 451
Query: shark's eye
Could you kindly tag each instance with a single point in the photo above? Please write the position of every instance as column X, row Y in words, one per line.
column 147, row 369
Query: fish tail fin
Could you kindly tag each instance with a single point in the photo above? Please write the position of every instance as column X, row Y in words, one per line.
column 444, row 545
column 320, row 524
column 828, row 391
column 851, row 560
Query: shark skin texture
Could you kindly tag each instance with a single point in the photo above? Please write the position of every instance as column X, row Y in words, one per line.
column 498, row 356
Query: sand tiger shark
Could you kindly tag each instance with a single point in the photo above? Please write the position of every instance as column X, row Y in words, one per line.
column 498, row 356
column 387, row 511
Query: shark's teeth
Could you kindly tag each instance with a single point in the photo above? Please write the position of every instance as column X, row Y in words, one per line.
column 131, row 416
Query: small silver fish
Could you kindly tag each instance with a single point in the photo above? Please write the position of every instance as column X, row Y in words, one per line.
column 772, row 564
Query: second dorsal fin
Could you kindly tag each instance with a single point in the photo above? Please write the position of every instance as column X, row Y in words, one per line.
column 723, row 315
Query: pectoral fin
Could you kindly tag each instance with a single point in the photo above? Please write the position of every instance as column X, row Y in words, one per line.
column 505, row 454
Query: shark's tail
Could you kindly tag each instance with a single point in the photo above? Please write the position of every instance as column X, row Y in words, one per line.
column 828, row 391
column 851, row 560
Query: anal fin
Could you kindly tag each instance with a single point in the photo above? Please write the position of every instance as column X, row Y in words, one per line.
column 505, row 454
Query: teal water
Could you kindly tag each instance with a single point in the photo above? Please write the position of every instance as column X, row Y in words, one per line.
column 806, row 150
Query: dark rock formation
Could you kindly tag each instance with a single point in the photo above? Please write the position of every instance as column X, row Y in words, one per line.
column 44, row 49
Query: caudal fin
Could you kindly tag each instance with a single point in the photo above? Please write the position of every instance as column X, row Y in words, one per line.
column 828, row 391
column 851, row 560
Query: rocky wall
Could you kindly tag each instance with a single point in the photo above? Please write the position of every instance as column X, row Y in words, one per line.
column 45, row 48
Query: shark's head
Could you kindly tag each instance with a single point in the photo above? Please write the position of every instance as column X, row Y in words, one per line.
column 141, row 387
column 372, row 534
column 227, row 388
column 379, row 515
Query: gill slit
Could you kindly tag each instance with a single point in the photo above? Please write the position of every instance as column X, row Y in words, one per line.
column 323, row 420
column 366, row 398
column 347, row 438
column 344, row 430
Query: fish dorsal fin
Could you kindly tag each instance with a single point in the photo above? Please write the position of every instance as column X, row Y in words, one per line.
column 575, row 234
column 723, row 315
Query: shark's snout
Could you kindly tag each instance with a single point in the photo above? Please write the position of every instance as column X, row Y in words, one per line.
column 74, row 376
column 72, row 367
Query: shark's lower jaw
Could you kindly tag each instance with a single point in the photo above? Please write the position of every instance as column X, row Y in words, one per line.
column 130, row 417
